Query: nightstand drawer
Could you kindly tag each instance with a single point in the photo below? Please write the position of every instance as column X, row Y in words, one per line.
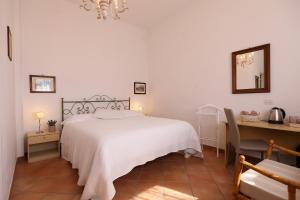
column 43, row 139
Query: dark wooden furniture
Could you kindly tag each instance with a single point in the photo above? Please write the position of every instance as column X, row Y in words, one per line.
column 266, row 77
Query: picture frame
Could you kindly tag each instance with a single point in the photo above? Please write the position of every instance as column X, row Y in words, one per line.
column 139, row 88
column 42, row 84
column 9, row 43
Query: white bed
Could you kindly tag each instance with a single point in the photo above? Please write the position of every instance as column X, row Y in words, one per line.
column 104, row 150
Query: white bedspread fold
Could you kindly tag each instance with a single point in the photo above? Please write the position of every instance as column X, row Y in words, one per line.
column 104, row 150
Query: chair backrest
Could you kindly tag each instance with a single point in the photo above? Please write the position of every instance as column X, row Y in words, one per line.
column 208, row 116
column 234, row 133
column 209, row 109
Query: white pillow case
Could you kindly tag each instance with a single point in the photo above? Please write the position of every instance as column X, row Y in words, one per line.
column 116, row 114
column 77, row 118
column 131, row 113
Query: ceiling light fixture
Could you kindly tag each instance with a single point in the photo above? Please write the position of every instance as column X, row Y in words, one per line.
column 105, row 7
column 245, row 59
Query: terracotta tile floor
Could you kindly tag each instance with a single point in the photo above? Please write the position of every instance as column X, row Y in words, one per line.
column 168, row 178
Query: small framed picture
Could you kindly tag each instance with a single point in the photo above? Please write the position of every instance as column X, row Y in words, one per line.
column 9, row 44
column 42, row 84
column 139, row 88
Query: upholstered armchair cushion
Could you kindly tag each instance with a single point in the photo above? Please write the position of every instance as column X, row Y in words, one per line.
column 261, row 187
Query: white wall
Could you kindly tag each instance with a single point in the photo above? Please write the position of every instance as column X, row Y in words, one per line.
column 7, row 102
column 87, row 57
column 191, row 56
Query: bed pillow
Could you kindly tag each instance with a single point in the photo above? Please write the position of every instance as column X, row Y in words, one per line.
column 108, row 114
column 77, row 118
column 131, row 113
column 116, row 114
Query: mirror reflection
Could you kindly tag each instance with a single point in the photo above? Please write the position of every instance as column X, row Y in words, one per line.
column 250, row 70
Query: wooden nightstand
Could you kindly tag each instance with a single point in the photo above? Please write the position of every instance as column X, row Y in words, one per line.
column 41, row 146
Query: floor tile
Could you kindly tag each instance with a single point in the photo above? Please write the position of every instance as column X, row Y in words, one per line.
column 124, row 196
column 226, row 190
column 171, row 177
column 29, row 196
column 125, row 186
column 174, row 190
column 175, row 158
column 175, row 172
column 149, row 190
column 222, row 176
column 207, row 191
column 175, row 175
column 59, row 197
column 22, row 184
column 151, row 175
column 133, row 175
column 54, row 172
column 64, row 185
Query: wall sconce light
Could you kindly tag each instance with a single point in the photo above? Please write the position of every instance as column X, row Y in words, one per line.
column 140, row 109
column 137, row 107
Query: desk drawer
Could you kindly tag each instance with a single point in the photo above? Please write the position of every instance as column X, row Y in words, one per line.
column 43, row 139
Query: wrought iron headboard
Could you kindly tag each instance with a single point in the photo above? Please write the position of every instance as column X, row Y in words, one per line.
column 90, row 105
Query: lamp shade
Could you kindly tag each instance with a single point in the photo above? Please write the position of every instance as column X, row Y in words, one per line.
column 40, row 115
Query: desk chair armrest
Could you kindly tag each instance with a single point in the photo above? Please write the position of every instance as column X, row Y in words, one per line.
column 280, row 148
column 292, row 185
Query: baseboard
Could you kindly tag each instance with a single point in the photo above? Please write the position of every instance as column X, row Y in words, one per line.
column 212, row 148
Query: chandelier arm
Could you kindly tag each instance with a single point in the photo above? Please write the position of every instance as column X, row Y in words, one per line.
column 103, row 7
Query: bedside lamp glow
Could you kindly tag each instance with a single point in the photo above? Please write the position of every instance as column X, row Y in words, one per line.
column 40, row 115
column 140, row 109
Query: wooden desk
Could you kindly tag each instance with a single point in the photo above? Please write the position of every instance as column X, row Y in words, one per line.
column 266, row 125
column 282, row 134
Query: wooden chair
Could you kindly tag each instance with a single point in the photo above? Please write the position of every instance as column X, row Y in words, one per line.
column 268, row 179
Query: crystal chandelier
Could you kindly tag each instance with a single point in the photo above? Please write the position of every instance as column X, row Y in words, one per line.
column 245, row 59
column 105, row 7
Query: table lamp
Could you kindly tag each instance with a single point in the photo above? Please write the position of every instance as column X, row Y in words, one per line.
column 39, row 115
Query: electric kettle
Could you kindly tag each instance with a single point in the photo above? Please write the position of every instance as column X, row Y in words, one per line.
column 276, row 116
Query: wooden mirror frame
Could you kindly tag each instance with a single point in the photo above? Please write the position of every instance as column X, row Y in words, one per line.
column 267, row 79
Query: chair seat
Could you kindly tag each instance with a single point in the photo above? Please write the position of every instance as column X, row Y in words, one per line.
column 253, row 145
column 260, row 187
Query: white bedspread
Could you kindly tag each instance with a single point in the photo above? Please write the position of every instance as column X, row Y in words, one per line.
column 104, row 150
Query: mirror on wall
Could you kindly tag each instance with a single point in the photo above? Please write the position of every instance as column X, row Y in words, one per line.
column 251, row 70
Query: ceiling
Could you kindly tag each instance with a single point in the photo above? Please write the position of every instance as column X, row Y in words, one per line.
column 147, row 13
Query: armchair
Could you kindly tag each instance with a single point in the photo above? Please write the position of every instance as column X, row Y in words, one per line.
column 268, row 180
